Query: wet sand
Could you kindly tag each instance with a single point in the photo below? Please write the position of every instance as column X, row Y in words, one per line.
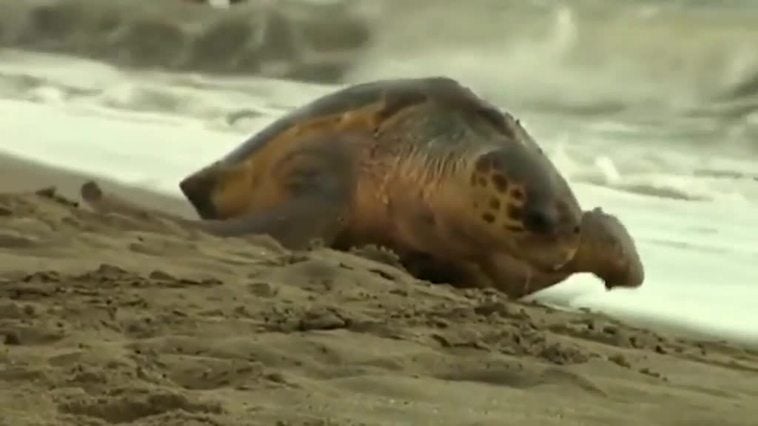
column 109, row 320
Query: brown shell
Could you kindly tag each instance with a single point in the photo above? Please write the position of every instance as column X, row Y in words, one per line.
column 390, row 96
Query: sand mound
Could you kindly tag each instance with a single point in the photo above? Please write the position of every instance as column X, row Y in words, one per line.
column 283, row 39
column 111, row 320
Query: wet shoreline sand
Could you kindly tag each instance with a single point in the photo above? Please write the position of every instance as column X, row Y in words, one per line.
column 106, row 320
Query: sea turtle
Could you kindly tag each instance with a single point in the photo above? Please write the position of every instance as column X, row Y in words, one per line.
column 421, row 166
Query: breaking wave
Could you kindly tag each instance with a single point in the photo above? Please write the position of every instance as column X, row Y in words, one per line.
column 642, row 97
column 284, row 39
column 587, row 55
column 690, row 68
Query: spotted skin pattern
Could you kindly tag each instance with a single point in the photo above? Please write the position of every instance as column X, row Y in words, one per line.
column 505, row 204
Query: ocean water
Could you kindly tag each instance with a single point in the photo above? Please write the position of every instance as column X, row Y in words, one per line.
column 649, row 109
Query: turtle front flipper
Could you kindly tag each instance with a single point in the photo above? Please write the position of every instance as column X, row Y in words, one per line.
column 607, row 251
column 517, row 278
column 294, row 223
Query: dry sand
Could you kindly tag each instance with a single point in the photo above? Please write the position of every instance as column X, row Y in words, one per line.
column 106, row 320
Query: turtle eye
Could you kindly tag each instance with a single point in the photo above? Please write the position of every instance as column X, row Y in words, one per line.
column 540, row 221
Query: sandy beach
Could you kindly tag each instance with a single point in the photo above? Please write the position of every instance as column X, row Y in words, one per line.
column 649, row 109
column 108, row 320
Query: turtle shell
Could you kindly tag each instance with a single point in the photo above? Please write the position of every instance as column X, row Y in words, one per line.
column 392, row 94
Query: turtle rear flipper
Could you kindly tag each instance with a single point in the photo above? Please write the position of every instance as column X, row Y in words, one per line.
column 304, row 199
column 294, row 223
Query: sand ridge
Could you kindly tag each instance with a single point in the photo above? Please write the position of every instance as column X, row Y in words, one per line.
column 115, row 320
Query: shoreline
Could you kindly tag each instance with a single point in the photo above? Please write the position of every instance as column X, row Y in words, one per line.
column 106, row 319
column 67, row 181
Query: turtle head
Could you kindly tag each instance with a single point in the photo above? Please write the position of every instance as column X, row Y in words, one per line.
column 608, row 251
column 531, row 203
column 547, row 216
column 219, row 191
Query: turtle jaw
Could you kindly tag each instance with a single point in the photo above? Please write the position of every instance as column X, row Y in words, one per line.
column 561, row 264
column 547, row 253
column 569, row 250
column 553, row 236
